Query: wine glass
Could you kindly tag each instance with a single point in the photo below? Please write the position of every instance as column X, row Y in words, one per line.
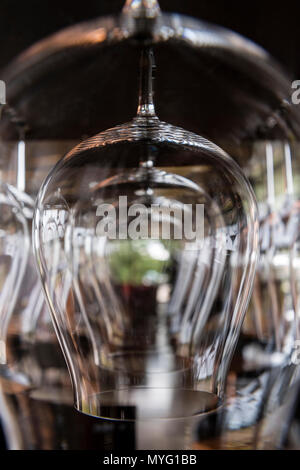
column 145, row 237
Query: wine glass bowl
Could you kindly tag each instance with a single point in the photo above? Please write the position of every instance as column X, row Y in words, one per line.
column 159, row 223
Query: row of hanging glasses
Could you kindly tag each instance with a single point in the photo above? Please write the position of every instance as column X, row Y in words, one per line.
column 262, row 408
column 35, row 392
column 267, row 354
column 172, row 361
column 283, row 387
column 265, row 370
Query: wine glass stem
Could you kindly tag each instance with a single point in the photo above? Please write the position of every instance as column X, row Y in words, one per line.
column 270, row 176
column 146, row 103
column 288, row 170
column 21, row 166
column 142, row 8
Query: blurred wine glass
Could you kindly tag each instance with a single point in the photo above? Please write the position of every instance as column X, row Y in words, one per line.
column 264, row 358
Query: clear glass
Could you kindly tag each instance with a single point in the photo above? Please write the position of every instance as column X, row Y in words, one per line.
column 269, row 334
column 271, row 318
column 147, row 311
column 14, row 251
column 278, row 427
column 63, row 103
column 35, row 388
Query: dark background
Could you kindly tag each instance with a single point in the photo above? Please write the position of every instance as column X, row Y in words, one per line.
column 273, row 25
